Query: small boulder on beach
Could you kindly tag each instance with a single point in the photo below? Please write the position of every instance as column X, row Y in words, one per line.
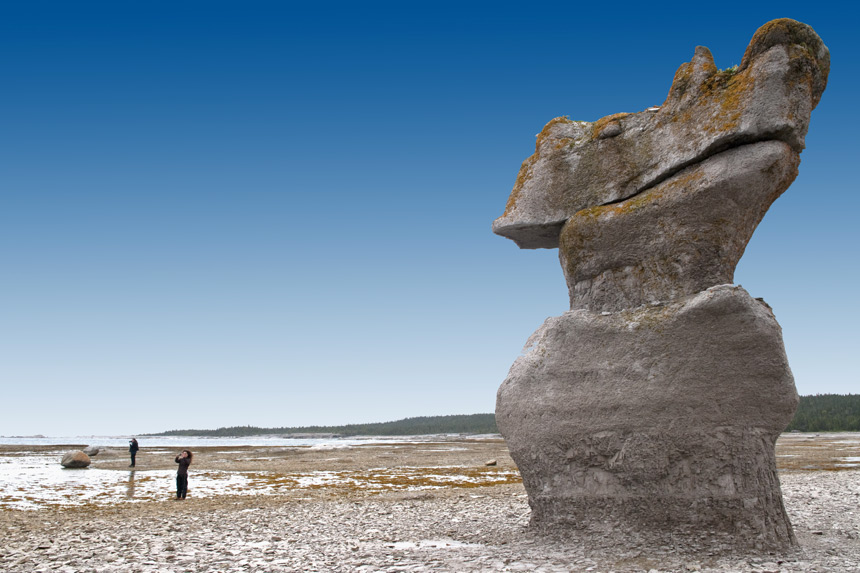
column 91, row 450
column 75, row 459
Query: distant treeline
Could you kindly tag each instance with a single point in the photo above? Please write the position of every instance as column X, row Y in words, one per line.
column 464, row 424
column 827, row 413
column 818, row 413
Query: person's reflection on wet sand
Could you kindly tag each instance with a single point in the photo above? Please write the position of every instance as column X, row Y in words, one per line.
column 129, row 491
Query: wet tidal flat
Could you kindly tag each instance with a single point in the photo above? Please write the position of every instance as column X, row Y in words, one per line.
column 31, row 477
column 428, row 505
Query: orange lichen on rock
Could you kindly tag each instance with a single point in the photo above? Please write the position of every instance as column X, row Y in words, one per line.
column 605, row 122
column 524, row 174
column 527, row 167
column 791, row 32
column 577, row 165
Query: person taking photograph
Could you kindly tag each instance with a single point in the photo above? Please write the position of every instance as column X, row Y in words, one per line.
column 184, row 460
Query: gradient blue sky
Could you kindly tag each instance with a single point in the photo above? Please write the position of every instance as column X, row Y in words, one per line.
column 278, row 214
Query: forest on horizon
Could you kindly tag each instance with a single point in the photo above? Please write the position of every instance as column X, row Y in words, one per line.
column 827, row 413
column 816, row 413
column 456, row 424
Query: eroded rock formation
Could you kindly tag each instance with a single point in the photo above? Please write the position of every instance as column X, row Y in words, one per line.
column 656, row 401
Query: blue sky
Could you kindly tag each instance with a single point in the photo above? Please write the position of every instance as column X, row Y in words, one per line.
column 278, row 214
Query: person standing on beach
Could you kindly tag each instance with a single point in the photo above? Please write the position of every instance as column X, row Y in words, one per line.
column 132, row 449
column 184, row 460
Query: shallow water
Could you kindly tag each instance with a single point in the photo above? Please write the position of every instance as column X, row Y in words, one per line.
column 179, row 442
column 29, row 481
column 33, row 479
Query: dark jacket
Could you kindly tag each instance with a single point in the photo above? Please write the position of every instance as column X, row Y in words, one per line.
column 133, row 447
column 183, row 466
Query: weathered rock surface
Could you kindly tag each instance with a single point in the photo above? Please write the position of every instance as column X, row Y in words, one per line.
column 75, row 459
column 678, row 238
column 638, row 416
column 656, row 401
column 580, row 164
column 91, row 451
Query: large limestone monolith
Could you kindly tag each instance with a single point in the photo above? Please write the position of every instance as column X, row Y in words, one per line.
column 655, row 402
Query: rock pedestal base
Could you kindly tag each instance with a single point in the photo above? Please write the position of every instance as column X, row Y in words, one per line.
column 660, row 417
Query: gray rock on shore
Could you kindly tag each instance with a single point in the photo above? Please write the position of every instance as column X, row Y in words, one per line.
column 636, row 417
column 91, row 450
column 655, row 403
column 75, row 459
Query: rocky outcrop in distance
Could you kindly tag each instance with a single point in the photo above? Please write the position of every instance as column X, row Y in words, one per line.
column 655, row 402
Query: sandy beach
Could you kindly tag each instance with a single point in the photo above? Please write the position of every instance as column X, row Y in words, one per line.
column 433, row 505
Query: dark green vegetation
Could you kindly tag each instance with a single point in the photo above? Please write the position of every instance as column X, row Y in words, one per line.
column 827, row 413
column 818, row 413
column 464, row 424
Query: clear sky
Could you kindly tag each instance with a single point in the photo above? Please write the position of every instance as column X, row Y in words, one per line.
column 278, row 213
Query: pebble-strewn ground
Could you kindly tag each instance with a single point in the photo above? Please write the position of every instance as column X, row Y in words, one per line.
column 443, row 529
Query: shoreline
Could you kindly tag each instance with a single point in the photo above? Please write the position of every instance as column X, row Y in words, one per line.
column 441, row 528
